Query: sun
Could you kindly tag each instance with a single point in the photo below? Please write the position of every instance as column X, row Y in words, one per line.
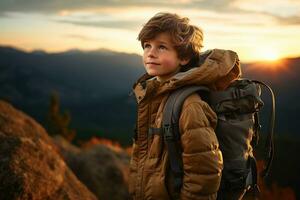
column 267, row 54
column 268, row 58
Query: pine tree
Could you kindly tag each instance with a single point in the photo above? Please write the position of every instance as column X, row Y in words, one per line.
column 58, row 123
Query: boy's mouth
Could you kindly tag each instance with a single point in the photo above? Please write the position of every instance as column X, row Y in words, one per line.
column 152, row 63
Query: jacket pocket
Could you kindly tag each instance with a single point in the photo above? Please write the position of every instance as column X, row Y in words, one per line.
column 155, row 188
column 154, row 157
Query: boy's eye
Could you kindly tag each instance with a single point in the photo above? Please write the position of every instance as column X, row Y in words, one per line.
column 162, row 47
column 146, row 45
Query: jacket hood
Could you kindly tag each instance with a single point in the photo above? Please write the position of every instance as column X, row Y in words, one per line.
column 216, row 69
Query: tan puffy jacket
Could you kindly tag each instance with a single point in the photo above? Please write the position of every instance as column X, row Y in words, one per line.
column 150, row 176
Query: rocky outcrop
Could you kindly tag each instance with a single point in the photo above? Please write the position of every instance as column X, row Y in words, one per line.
column 103, row 170
column 30, row 165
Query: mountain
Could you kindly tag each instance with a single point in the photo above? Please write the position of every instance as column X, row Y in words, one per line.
column 93, row 75
column 94, row 87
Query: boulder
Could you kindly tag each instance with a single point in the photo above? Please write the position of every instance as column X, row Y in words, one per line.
column 30, row 164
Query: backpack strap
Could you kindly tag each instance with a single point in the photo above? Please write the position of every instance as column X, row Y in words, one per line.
column 155, row 131
column 269, row 146
column 257, row 128
column 234, row 93
column 170, row 129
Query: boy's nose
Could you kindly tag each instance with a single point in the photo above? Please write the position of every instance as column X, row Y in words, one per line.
column 152, row 53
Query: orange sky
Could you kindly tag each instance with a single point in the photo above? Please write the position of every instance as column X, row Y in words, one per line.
column 257, row 30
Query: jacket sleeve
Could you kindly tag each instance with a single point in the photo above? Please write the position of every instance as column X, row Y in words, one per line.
column 202, row 159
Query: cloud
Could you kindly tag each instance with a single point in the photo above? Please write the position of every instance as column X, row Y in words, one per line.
column 82, row 37
column 285, row 12
column 277, row 19
column 293, row 20
column 280, row 8
column 55, row 6
column 120, row 24
column 4, row 15
column 117, row 11
column 216, row 5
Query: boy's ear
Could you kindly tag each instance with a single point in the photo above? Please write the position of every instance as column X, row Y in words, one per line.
column 184, row 61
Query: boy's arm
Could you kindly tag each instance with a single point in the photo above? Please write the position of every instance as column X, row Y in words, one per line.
column 202, row 159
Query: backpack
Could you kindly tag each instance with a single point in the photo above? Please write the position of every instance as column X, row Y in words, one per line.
column 238, row 126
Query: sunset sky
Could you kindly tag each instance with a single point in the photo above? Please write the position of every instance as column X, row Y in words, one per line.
column 257, row 30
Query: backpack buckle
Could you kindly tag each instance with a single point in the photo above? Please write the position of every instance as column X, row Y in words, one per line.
column 168, row 134
column 236, row 94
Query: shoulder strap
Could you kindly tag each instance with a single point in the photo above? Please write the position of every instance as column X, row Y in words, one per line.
column 269, row 146
column 170, row 126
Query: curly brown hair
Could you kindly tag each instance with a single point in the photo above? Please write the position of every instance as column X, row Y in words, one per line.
column 187, row 38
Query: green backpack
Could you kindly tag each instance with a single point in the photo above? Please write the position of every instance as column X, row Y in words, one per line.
column 237, row 131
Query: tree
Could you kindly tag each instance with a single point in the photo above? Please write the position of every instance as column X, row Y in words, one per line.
column 58, row 123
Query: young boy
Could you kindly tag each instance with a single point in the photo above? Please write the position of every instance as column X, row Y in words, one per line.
column 172, row 60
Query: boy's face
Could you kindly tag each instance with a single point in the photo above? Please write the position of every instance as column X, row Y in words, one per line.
column 160, row 58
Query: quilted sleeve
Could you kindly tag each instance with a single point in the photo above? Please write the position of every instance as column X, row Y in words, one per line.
column 202, row 159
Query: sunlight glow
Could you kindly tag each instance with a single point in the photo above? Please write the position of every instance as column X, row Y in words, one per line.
column 267, row 54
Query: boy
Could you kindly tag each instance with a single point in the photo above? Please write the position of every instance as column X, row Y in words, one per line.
column 172, row 60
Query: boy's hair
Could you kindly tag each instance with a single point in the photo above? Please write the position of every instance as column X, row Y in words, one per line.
column 187, row 38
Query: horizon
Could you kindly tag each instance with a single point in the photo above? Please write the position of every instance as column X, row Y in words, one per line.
column 276, row 61
column 257, row 31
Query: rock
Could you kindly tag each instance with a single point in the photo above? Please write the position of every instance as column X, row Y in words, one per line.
column 30, row 165
column 102, row 170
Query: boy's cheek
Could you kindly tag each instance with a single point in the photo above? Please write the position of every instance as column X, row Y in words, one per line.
column 169, row 64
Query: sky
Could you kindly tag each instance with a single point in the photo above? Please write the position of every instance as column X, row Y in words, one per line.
column 256, row 30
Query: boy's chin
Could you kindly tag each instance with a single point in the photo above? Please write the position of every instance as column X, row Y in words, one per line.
column 151, row 73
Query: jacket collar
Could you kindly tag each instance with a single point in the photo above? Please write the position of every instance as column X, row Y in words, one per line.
column 216, row 69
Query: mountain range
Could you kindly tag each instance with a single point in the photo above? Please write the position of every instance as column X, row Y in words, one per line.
column 94, row 87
